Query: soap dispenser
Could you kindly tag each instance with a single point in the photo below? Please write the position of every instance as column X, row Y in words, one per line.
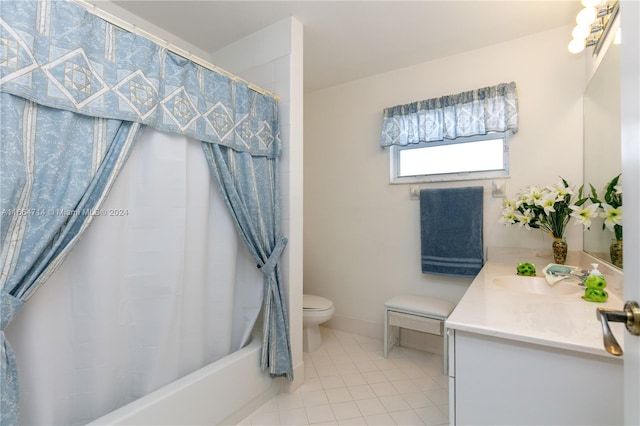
column 595, row 270
column 595, row 284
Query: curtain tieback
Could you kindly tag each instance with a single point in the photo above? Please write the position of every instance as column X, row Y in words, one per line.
column 269, row 266
column 9, row 308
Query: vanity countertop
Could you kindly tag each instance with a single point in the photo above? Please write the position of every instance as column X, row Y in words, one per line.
column 561, row 321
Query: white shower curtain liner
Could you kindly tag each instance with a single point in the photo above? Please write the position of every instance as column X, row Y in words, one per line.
column 159, row 286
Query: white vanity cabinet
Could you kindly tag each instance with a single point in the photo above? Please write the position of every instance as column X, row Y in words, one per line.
column 518, row 357
column 496, row 381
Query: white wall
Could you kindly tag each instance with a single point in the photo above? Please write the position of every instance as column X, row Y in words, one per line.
column 361, row 235
column 272, row 59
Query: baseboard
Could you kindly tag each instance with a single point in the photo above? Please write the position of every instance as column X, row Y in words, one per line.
column 356, row 326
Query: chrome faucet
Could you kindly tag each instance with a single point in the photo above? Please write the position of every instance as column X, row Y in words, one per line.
column 580, row 275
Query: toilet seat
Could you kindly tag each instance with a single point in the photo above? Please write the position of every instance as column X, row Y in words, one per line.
column 312, row 302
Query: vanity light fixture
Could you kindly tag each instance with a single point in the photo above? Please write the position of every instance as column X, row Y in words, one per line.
column 618, row 38
column 593, row 23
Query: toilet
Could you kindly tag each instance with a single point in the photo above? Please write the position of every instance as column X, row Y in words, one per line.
column 316, row 310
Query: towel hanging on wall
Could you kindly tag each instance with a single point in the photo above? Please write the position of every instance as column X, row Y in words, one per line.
column 451, row 231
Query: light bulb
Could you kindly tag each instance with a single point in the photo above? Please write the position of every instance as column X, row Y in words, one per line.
column 576, row 45
column 581, row 32
column 591, row 3
column 586, row 16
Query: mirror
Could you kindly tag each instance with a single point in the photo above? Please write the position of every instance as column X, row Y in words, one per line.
column 602, row 158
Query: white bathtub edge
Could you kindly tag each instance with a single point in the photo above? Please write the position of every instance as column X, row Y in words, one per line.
column 204, row 396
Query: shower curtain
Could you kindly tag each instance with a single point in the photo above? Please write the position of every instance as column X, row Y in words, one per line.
column 158, row 286
column 62, row 61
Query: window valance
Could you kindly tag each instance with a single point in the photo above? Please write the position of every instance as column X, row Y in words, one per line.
column 476, row 112
column 66, row 58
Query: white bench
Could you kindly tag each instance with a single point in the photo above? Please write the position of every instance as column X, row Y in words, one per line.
column 420, row 313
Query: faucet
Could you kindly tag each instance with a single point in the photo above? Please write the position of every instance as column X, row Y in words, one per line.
column 580, row 275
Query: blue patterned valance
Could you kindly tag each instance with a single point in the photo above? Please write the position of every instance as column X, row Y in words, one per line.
column 477, row 112
column 57, row 54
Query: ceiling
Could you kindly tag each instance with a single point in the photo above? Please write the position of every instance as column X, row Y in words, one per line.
column 348, row 40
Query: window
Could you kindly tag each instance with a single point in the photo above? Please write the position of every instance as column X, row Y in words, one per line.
column 476, row 157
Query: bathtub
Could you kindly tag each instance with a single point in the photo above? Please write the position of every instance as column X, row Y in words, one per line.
column 224, row 392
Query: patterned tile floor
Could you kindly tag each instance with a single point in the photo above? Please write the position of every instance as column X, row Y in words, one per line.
column 349, row 382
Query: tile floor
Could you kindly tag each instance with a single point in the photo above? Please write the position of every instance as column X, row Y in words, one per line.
column 349, row 382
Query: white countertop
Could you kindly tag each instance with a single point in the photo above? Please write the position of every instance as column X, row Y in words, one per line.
column 561, row 321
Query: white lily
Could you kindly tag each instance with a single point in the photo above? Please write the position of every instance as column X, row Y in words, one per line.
column 584, row 214
column 508, row 218
column 560, row 191
column 547, row 202
column 532, row 195
column 618, row 189
column 524, row 218
column 509, row 205
column 612, row 216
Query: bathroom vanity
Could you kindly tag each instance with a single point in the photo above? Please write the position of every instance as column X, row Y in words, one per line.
column 525, row 352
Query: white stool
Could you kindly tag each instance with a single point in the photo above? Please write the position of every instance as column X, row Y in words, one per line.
column 420, row 313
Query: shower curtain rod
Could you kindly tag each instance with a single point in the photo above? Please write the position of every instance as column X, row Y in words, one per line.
column 132, row 28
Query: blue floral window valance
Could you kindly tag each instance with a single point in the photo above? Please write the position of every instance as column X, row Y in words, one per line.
column 476, row 112
column 64, row 57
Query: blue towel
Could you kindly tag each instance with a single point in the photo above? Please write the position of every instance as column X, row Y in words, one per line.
column 451, row 231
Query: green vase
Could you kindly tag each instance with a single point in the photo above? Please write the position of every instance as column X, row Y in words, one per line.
column 615, row 250
column 559, row 250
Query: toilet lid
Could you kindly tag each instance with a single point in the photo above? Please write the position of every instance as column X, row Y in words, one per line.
column 309, row 301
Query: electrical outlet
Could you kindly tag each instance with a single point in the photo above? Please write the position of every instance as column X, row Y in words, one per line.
column 499, row 188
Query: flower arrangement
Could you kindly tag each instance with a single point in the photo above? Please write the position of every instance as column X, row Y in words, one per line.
column 549, row 208
column 611, row 205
